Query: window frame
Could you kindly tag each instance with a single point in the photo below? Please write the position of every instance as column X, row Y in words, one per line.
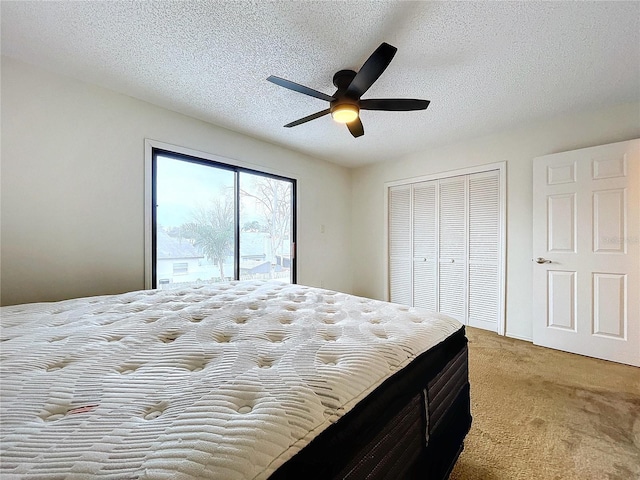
column 153, row 149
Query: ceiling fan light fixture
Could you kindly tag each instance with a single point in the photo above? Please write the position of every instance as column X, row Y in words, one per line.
column 345, row 113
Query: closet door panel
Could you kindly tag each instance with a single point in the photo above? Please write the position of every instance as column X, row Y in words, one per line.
column 425, row 245
column 484, row 217
column 484, row 248
column 452, row 291
column 452, row 282
column 400, row 281
column 452, row 235
column 483, row 296
column 445, row 249
column 425, row 220
column 425, row 284
column 400, row 275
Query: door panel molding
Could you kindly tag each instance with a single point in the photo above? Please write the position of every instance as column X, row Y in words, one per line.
column 561, row 292
column 610, row 305
column 561, row 223
column 609, row 220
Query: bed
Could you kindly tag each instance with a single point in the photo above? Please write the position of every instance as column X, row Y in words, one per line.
column 244, row 380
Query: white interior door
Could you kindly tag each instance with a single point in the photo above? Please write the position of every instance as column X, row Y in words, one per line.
column 586, row 243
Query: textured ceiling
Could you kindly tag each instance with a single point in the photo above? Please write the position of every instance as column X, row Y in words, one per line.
column 485, row 66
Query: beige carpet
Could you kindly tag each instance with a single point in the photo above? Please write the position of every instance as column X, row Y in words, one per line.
column 543, row 414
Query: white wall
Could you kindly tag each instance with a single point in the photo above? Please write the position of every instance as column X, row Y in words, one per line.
column 73, row 198
column 518, row 148
column 73, row 202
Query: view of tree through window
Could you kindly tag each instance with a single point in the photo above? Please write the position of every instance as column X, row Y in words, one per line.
column 265, row 219
column 203, row 207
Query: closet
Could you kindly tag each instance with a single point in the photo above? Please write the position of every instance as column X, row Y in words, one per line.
column 446, row 248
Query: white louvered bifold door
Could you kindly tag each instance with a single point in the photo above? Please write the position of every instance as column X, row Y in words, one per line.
column 425, row 245
column 452, row 242
column 445, row 247
column 484, row 245
column 400, row 244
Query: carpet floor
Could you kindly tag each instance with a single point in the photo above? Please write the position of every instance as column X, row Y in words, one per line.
column 544, row 414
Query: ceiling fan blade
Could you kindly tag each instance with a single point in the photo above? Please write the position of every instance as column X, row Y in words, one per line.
column 394, row 104
column 308, row 118
column 356, row 128
column 296, row 87
column 371, row 70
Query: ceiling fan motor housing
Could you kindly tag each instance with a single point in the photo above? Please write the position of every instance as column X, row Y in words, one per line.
column 343, row 78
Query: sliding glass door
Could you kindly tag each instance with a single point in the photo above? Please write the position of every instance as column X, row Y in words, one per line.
column 265, row 226
column 214, row 222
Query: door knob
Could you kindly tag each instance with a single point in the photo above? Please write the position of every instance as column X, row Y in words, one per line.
column 542, row 260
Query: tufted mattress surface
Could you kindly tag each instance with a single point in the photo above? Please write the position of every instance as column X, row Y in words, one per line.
column 224, row 381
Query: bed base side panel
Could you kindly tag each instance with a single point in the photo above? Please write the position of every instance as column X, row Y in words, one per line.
column 390, row 454
column 446, row 441
column 413, row 426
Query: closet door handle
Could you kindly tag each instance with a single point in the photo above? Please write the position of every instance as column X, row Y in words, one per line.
column 541, row 260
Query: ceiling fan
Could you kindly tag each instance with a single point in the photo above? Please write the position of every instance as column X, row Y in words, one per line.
column 345, row 104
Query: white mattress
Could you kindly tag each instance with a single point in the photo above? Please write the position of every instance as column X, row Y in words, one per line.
column 226, row 381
